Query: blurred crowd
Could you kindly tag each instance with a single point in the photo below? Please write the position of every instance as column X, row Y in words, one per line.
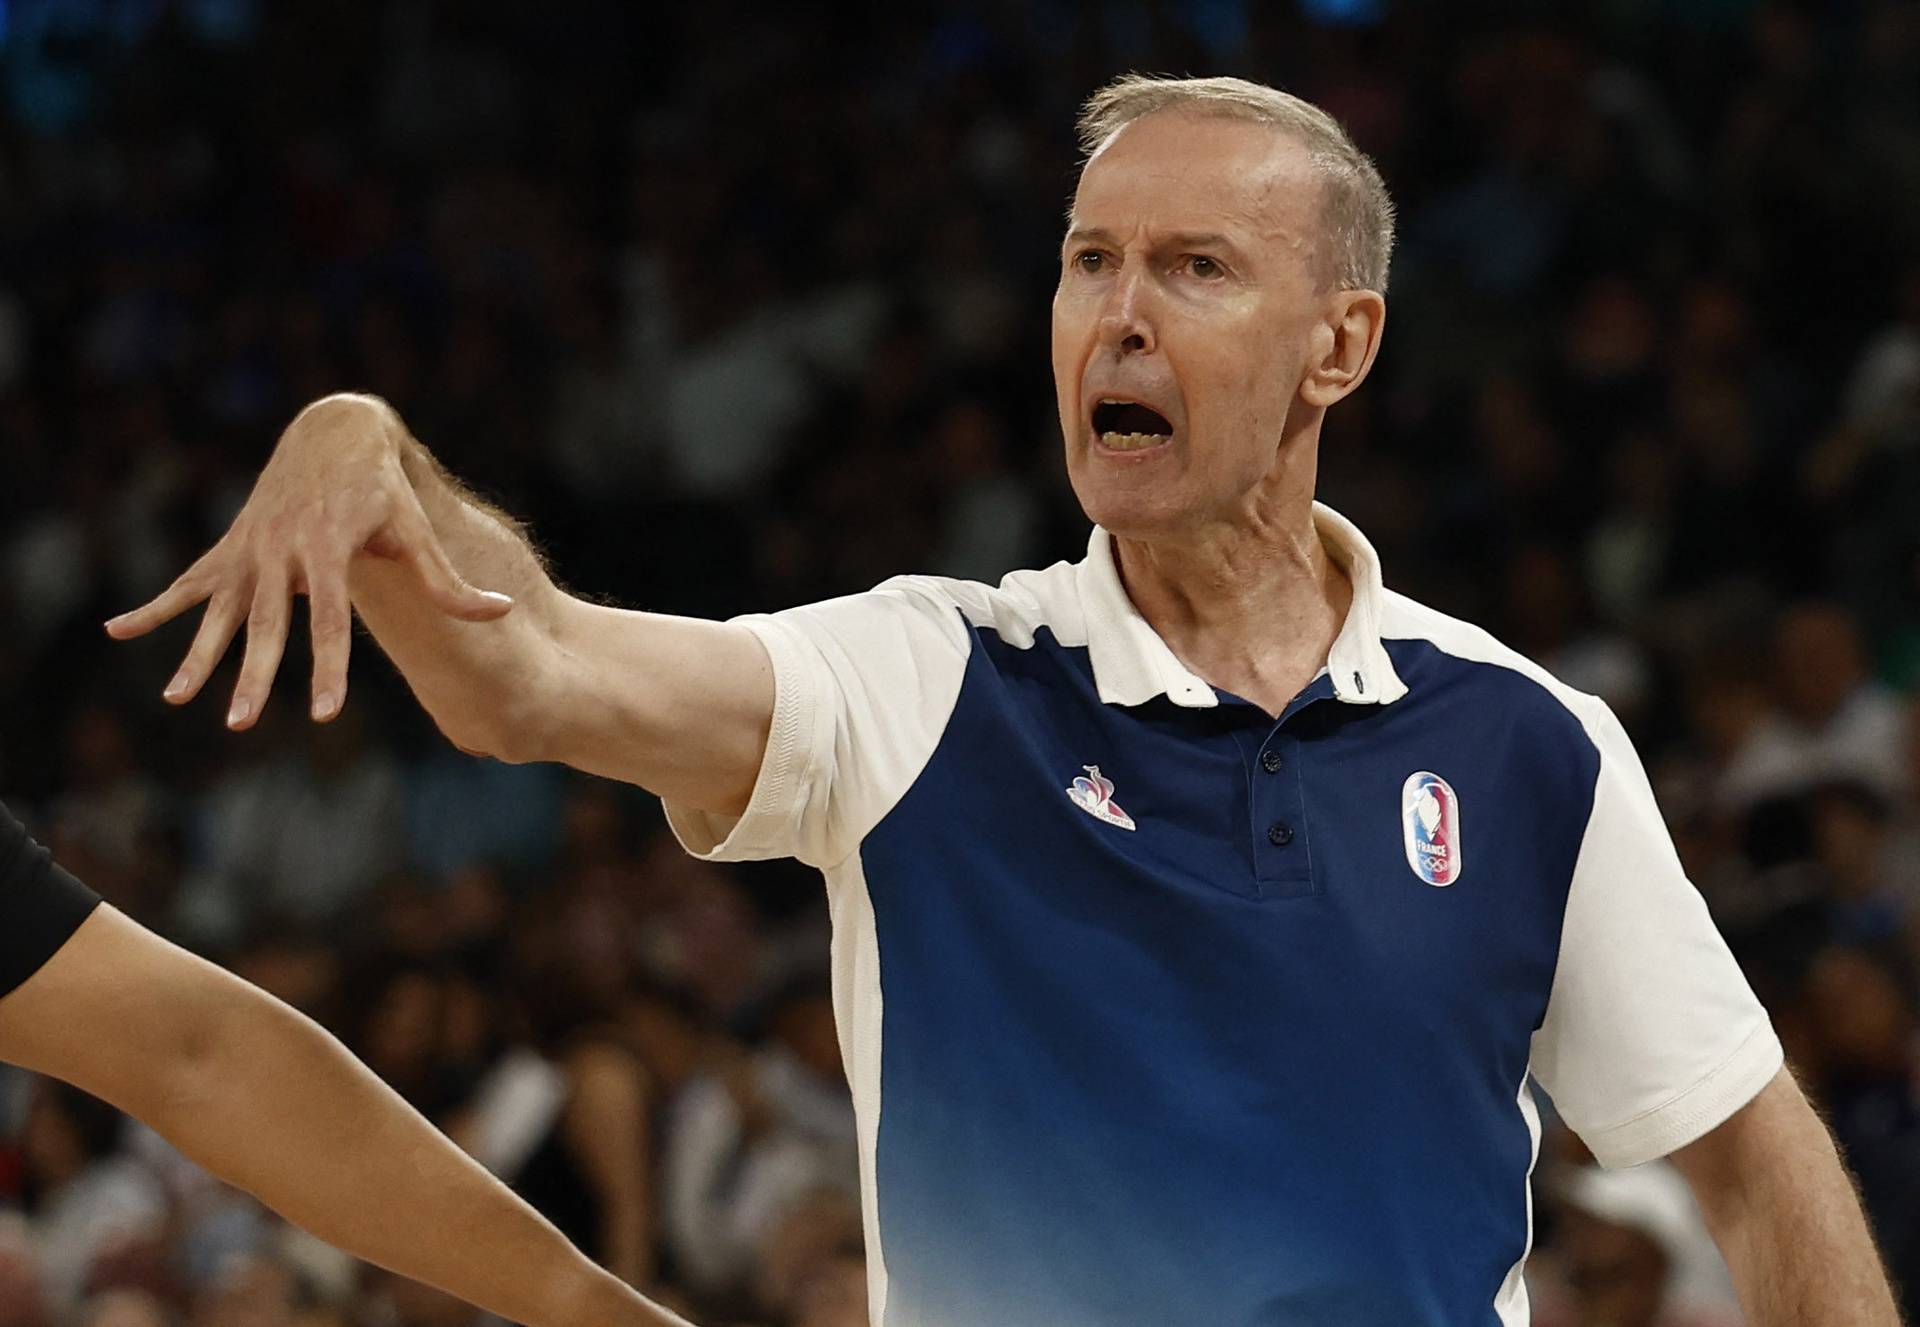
column 744, row 305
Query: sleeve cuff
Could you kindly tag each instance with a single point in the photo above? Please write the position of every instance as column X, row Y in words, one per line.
column 769, row 826
column 1697, row 1111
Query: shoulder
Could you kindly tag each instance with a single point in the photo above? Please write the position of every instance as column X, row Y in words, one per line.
column 1452, row 650
column 1014, row 610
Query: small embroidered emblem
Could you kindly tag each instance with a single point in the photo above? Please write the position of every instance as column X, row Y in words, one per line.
column 1430, row 823
column 1093, row 793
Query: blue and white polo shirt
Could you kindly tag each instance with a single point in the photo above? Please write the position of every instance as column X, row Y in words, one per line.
column 1159, row 1010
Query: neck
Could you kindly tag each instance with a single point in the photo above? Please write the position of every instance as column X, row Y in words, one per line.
column 1252, row 606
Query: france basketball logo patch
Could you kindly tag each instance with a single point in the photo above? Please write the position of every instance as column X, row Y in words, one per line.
column 1430, row 823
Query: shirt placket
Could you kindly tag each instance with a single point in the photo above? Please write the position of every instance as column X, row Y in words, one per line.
column 1281, row 847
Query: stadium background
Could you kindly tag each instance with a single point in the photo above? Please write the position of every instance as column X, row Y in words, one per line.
column 744, row 305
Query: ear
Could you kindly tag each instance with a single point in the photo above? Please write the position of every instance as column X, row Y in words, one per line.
column 1344, row 346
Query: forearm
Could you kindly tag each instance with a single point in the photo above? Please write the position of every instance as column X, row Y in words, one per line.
column 679, row 706
column 1800, row 1251
column 277, row 1107
column 1788, row 1221
column 472, row 677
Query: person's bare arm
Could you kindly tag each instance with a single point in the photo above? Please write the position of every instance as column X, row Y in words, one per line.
column 1786, row 1216
column 605, row 1126
column 262, row 1097
column 353, row 512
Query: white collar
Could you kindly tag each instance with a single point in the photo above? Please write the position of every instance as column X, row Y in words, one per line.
column 1132, row 665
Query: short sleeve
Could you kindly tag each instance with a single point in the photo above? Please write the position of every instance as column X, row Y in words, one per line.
column 863, row 689
column 1652, row 1036
column 41, row 906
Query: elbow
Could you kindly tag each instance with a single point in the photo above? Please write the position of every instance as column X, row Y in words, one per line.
column 497, row 728
column 506, row 711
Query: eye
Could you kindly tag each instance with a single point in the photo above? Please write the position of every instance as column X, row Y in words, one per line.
column 1207, row 269
column 1089, row 260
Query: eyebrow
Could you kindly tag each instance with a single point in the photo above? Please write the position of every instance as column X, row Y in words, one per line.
column 1183, row 239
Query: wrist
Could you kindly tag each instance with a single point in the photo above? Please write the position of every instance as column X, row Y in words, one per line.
column 357, row 415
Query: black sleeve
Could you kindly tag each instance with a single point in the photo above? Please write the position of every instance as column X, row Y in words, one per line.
column 41, row 906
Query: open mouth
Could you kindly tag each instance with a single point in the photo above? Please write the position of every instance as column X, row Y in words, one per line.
column 1128, row 425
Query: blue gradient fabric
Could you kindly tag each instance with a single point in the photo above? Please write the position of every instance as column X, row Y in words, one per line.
column 1158, row 1008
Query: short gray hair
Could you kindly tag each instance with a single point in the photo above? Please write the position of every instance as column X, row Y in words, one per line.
column 1356, row 212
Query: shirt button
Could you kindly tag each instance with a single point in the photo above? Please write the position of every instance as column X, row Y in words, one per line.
column 1279, row 833
column 1270, row 761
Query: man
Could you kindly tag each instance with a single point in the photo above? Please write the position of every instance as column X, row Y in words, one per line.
column 1159, row 999
column 263, row 1098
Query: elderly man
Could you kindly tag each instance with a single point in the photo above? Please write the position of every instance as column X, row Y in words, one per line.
column 1201, row 908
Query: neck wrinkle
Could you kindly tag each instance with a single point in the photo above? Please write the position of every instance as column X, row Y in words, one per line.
column 1252, row 606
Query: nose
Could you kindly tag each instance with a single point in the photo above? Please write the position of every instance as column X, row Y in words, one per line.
column 1126, row 322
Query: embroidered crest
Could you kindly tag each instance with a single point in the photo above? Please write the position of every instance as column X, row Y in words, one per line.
column 1430, row 823
column 1093, row 793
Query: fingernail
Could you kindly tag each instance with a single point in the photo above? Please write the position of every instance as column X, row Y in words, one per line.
column 324, row 705
column 177, row 687
column 238, row 714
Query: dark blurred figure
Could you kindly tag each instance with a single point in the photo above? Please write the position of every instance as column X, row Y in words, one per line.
column 1853, row 1032
column 88, row 1200
column 1830, row 720
column 1630, row 1250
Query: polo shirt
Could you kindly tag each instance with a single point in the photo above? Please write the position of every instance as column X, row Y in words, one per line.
column 1159, row 1009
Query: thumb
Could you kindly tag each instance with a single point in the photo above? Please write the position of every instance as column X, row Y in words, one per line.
column 420, row 548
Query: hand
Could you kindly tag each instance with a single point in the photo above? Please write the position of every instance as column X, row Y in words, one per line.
column 334, row 488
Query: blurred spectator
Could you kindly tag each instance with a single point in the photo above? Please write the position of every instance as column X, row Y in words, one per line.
column 752, row 1139
column 1634, row 1253
column 1855, row 1028
column 811, row 1267
column 23, row 1299
column 303, row 837
column 590, row 1166
column 1830, row 721
column 1874, row 884
column 462, row 812
column 126, row 1308
column 1544, row 602
column 107, row 824
column 88, row 1201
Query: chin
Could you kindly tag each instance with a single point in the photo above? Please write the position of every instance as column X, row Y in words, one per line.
column 1129, row 510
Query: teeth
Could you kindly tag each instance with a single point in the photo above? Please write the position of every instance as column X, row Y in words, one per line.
column 1127, row 442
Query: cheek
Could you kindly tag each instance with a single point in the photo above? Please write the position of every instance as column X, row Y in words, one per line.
column 1071, row 325
column 1261, row 380
column 1069, row 342
column 1242, row 389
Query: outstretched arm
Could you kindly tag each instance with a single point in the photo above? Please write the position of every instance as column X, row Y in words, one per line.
column 262, row 1097
column 1786, row 1216
column 353, row 512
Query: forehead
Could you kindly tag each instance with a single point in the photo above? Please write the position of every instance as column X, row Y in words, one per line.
column 1176, row 170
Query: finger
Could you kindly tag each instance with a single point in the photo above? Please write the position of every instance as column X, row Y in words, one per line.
column 443, row 583
column 210, row 642
column 330, row 618
column 186, row 591
column 266, row 642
